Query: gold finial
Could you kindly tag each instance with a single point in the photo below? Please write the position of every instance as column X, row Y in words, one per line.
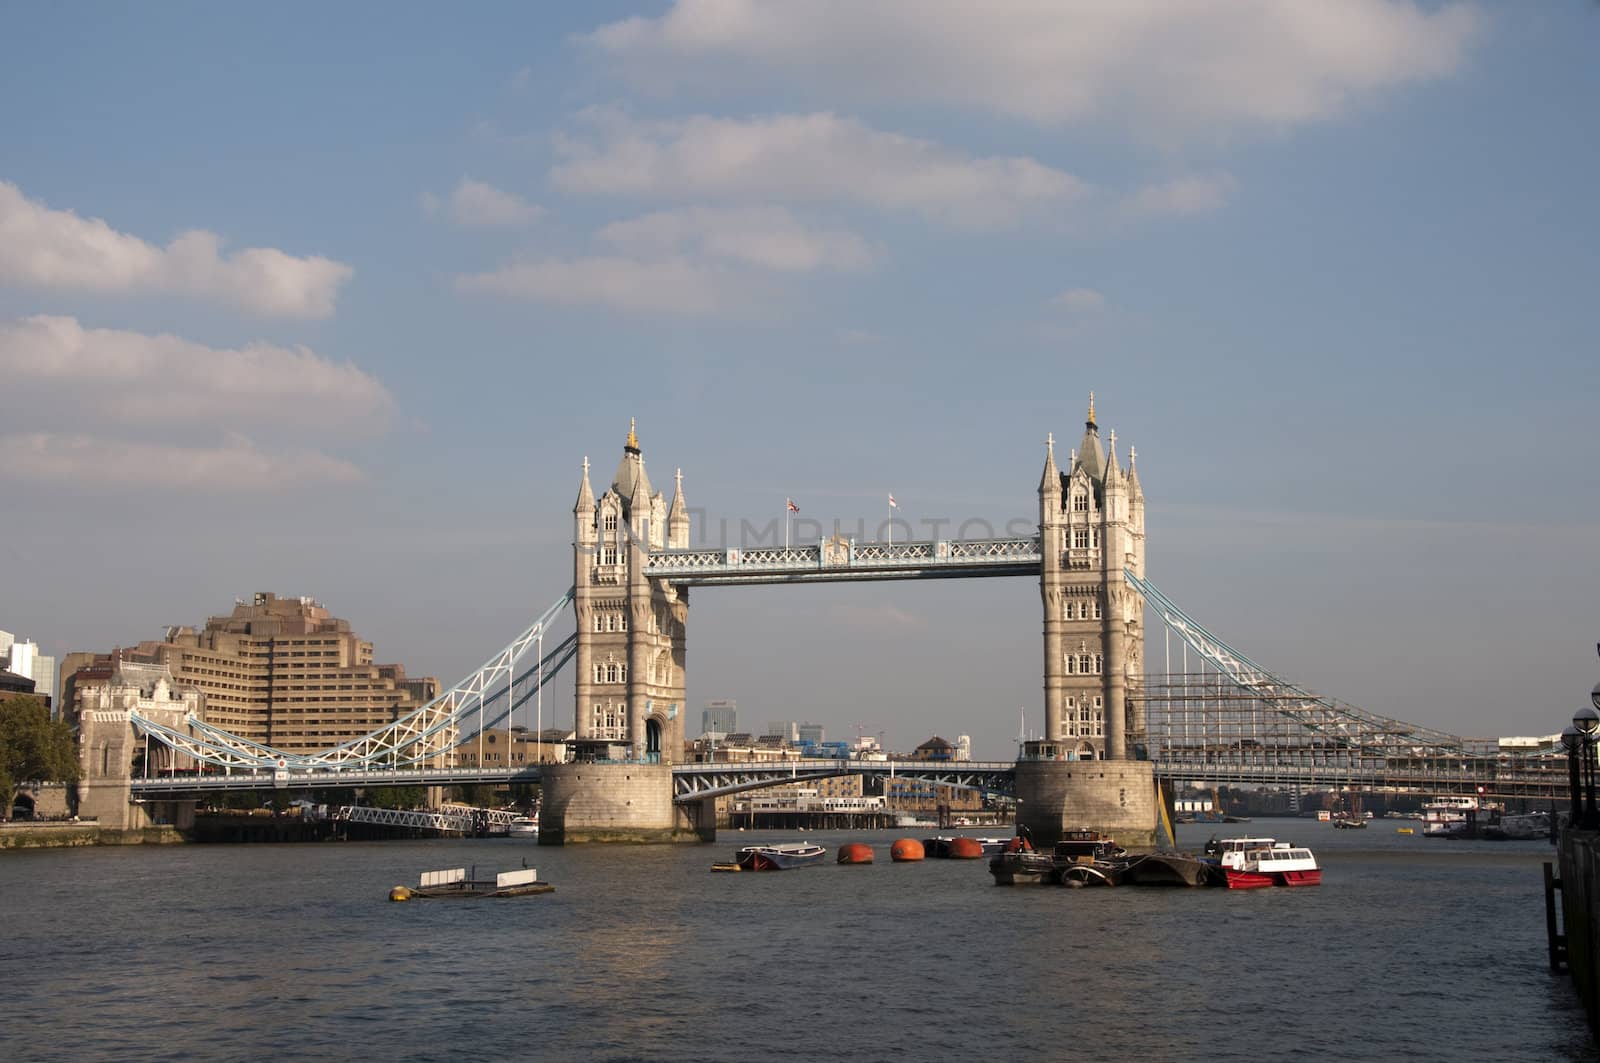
column 1091, row 407
column 633, row 440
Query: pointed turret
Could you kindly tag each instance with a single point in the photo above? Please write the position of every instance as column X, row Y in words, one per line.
column 1133, row 474
column 1050, row 480
column 585, row 503
column 583, row 530
column 1091, row 457
column 678, row 518
column 1113, row 470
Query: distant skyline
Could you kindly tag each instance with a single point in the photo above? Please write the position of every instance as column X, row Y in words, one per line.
column 340, row 313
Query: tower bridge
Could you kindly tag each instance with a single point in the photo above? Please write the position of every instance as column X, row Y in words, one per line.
column 1112, row 728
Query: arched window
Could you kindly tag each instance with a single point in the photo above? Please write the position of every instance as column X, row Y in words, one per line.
column 1071, row 611
column 1096, row 607
column 622, row 621
column 599, row 622
column 1072, row 665
column 1083, row 663
column 1097, row 663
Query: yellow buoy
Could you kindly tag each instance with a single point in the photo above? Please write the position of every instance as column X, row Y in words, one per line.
column 1404, row 830
column 400, row 893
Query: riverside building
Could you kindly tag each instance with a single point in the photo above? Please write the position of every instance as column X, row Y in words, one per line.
column 283, row 672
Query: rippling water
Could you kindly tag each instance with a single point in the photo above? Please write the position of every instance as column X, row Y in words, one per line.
column 1412, row 948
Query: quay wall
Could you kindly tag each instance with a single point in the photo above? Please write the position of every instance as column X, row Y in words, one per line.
column 67, row 835
column 1578, row 853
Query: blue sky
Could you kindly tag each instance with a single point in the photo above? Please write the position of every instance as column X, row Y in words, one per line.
column 334, row 302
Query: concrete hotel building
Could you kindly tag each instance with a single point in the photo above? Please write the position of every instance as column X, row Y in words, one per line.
column 287, row 674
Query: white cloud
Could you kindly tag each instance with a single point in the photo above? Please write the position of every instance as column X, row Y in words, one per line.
column 809, row 157
column 45, row 248
column 672, row 285
column 769, row 237
column 1190, row 194
column 476, row 204
column 1161, row 68
column 234, row 465
column 56, row 370
column 1080, row 300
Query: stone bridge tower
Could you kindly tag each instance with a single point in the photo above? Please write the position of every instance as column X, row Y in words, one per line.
column 1091, row 527
column 631, row 628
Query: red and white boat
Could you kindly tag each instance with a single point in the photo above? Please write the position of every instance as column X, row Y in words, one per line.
column 1274, row 864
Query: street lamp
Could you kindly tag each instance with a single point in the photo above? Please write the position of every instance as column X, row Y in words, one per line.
column 1587, row 721
column 1594, row 695
column 1572, row 742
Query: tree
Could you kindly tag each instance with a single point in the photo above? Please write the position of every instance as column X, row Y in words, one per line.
column 33, row 747
column 396, row 796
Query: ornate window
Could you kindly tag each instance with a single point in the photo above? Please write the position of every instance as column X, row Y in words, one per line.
column 1072, row 664
column 610, row 522
column 608, row 555
column 1080, row 538
column 1080, row 502
column 1070, row 611
column 1097, row 663
column 1094, row 538
column 1096, row 607
column 1083, row 663
column 599, row 622
column 622, row 620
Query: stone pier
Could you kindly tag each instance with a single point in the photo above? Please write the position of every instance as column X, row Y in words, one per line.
column 616, row 803
column 1115, row 796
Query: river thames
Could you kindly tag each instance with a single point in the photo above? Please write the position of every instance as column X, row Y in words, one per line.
column 1411, row 948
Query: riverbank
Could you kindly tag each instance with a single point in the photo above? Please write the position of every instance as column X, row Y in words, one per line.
column 73, row 834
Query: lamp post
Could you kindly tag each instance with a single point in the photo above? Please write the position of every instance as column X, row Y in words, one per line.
column 1572, row 741
column 1587, row 721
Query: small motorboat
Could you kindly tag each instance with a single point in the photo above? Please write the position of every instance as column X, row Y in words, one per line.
column 523, row 827
column 779, row 857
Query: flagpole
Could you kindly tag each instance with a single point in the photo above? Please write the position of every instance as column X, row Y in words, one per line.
column 891, row 522
column 788, row 517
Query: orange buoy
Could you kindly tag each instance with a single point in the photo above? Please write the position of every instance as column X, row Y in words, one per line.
column 855, row 853
column 966, row 849
column 905, row 851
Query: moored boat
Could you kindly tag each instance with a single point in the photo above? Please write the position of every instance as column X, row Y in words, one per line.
column 1170, row 869
column 455, row 882
column 1521, row 826
column 1280, row 865
column 1020, row 864
column 523, row 827
column 1088, row 858
column 780, row 857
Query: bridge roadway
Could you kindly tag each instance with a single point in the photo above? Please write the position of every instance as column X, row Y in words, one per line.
column 1531, row 778
column 839, row 559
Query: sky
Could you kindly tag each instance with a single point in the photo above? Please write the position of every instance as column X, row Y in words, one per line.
column 334, row 301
